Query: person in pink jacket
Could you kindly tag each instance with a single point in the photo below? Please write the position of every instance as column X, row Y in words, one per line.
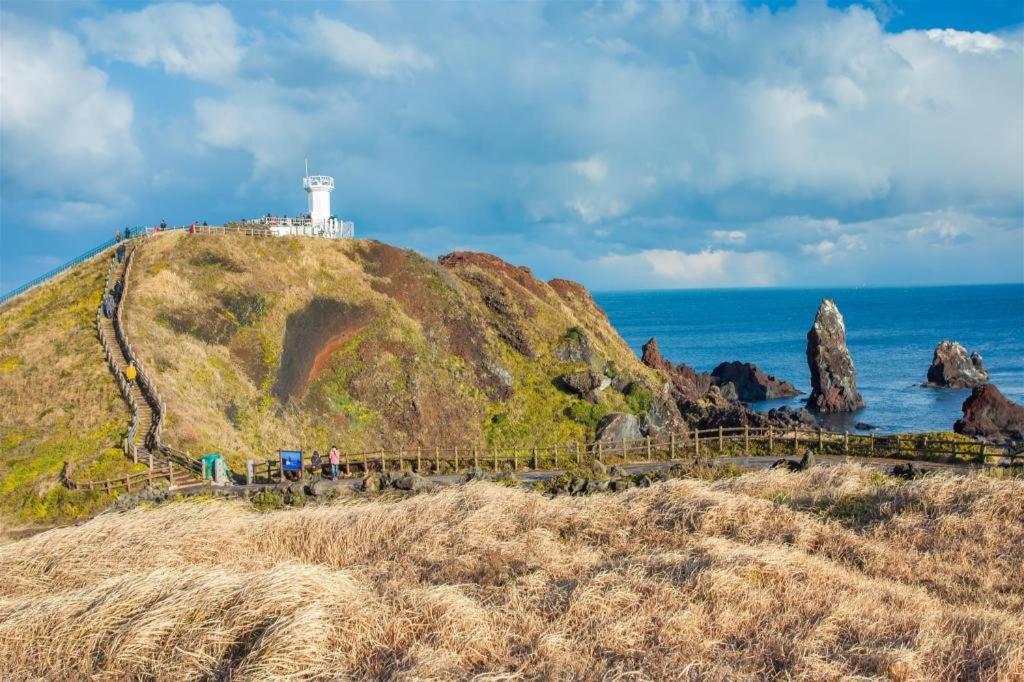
column 334, row 457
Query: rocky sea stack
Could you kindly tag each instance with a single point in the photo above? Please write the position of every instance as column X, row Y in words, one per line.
column 833, row 377
column 991, row 415
column 952, row 368
column 748, row 383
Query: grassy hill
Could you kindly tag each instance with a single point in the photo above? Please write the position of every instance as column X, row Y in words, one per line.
column 837, row 573
column 59, row 401
column 260, row 344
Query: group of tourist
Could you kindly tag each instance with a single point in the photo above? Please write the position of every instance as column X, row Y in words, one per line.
column 316, row 462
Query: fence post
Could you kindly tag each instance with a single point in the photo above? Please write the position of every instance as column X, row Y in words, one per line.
column 820, row 440
column 721, row 438
column 981, row 453
column 348, row 466
column 366, row 464
column 746, row 440
column 535, row 457
column 952, row 450
column 846, row 442
column 170, row 475
column 383, row 464
column 554, row 453
column 623, row 445
column 771, row 440
column 648, row 447
column 419, row 458
column 494, row 455
column 696, row 443
column 600, row 450
column 437, row 459
column 456, row 452
column 672, row 446
column 872, row 437
column 577, row 453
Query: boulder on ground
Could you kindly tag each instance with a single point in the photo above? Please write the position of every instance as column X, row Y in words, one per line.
column 371, row 483
column 321, row 488
column 991, row 415
column 805, row 462
column 618, row 426
column 575, row 346
column 749, row 384
column 662, row 416
column 833, row 377
column 413, row 482
column 588, row 384
column 952, row 367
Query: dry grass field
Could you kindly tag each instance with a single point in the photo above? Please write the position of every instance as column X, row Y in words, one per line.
column 837, row 573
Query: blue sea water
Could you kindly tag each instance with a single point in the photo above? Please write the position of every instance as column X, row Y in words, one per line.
column 891, row 334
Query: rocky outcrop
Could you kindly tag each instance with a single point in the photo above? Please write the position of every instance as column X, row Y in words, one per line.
column 833, row 377
column 618, row 426
column 588, row 384
column 575, row 346
column 952, row 368
column 749, row 384
column 688, row 384
column 786, row 416
column 662, row 416
column 991, row 415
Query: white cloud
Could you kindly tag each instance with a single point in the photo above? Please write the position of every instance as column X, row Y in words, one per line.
column 828, row 249
column 197, row 41
column 673, row 268
column 362, row 53
column 729, row 236
column 594, row 168
column 65, row 132
column 966, row 41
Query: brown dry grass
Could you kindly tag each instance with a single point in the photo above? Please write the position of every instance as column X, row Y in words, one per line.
column 744, row 579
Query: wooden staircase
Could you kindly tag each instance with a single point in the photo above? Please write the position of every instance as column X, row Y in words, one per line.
column 142, row 442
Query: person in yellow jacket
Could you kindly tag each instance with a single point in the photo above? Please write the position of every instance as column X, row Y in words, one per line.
column 130, row 372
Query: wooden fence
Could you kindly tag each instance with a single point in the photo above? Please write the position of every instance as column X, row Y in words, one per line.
column 682, row 445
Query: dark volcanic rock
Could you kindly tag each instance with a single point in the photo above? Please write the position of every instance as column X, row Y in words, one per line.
column 587, row 383
column 617, row 426
column 786, row 416
column 750, row 383
column 991, row 415
column 952, row 368
column 688, row 384
column 662, row 416
column 833, row 378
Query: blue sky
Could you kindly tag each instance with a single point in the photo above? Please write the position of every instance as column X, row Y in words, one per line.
column 626, row 145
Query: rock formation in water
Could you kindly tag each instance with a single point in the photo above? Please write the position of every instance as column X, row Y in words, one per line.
column 749, row 383
column 952, row 368
column 833, row 377
column 991, row 415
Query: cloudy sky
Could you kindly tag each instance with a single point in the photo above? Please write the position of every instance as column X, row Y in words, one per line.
column 627, row 145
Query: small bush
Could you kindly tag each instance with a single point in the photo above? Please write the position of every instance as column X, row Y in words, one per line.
column 267, row 500
column 588, row 414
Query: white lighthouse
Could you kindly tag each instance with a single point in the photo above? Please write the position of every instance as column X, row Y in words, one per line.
column 318, row 222
column 319, row 188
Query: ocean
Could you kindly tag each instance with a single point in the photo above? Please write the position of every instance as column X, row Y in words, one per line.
column 891, row 334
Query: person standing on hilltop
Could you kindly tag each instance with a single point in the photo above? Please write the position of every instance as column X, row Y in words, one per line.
column 163, row 225
column 316, row 462
column 120, row 253
column 127, row 233
column 335, row 459
column 118, row 290
column 117, row 237
column 192, row 228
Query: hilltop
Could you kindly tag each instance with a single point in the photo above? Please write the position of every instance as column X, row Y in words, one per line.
column 260, row 344
column 836, row 573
